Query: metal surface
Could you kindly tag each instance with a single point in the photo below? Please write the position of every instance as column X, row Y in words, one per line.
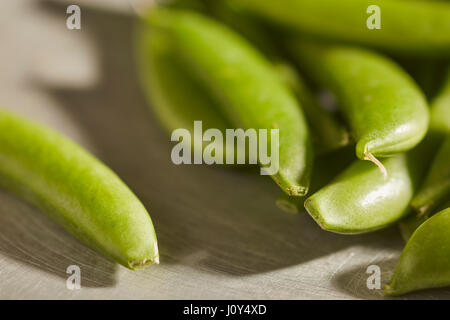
column 219, row 231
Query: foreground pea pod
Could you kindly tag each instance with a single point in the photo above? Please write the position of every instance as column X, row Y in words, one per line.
column 239, row 76
column 361, row 200
column 386, row 111
column 422, row 30
column 436, row 187
column 76, row 190
column 425, row 261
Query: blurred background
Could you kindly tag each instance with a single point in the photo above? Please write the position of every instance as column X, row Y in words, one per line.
column 217, row 241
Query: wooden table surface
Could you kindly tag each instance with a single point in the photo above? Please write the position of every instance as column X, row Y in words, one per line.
column 220, row 233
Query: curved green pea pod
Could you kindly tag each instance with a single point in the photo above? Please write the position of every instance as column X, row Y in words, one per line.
column 422, row 30
column 326, row 167
column 386, row 111
column 251, row 92
column 76, row 190
column 361, row 200
column 327, row 132
column 425, row 261
column 176, row 98
column 437, row 183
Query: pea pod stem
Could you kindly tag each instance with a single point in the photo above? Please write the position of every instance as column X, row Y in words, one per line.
column 76, row 190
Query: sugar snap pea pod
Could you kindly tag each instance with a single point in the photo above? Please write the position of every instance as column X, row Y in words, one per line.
column 361, row 200
column 327, row 132
column 177, row 99
column 425, row 261
column 439, row 128
column 253, row 95
column 76, row 190
column 437, row 183
column 326, row 167
column 422, row 30
column 386, row 111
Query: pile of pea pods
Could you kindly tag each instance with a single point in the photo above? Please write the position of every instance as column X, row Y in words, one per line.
column 266, row 64
column 362, row 109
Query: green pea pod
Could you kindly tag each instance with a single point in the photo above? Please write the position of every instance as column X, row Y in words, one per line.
column 326, row 167
column 361, row 200
column 437, row 183
column 251, row 92
column 176, row 98
column 76, row 190
column 386, row 111
column 439, row 128
column 425, row 261
column 423, row 30
column 327, row 132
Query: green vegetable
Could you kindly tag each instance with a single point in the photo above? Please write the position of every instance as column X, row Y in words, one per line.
column 425, row 261
column 76, row 190
column 422, row 30
column 326, row 167
column 361, row 200
column 439, row 128
column 175, row 96
column 327, row 132
column 437, row 183
column 386, row 111
column 240, row 77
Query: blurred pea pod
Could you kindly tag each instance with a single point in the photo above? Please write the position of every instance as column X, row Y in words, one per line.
column 359, row 200
column 425, row 261
column 175, row 96
column 238, row 76
column 385, row 109
column 439, row 128
column 436, row 187
column 422, row 30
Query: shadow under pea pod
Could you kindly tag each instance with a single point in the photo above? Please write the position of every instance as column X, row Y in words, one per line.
column 211, row 219
column 354, row 281
column 29, row 236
